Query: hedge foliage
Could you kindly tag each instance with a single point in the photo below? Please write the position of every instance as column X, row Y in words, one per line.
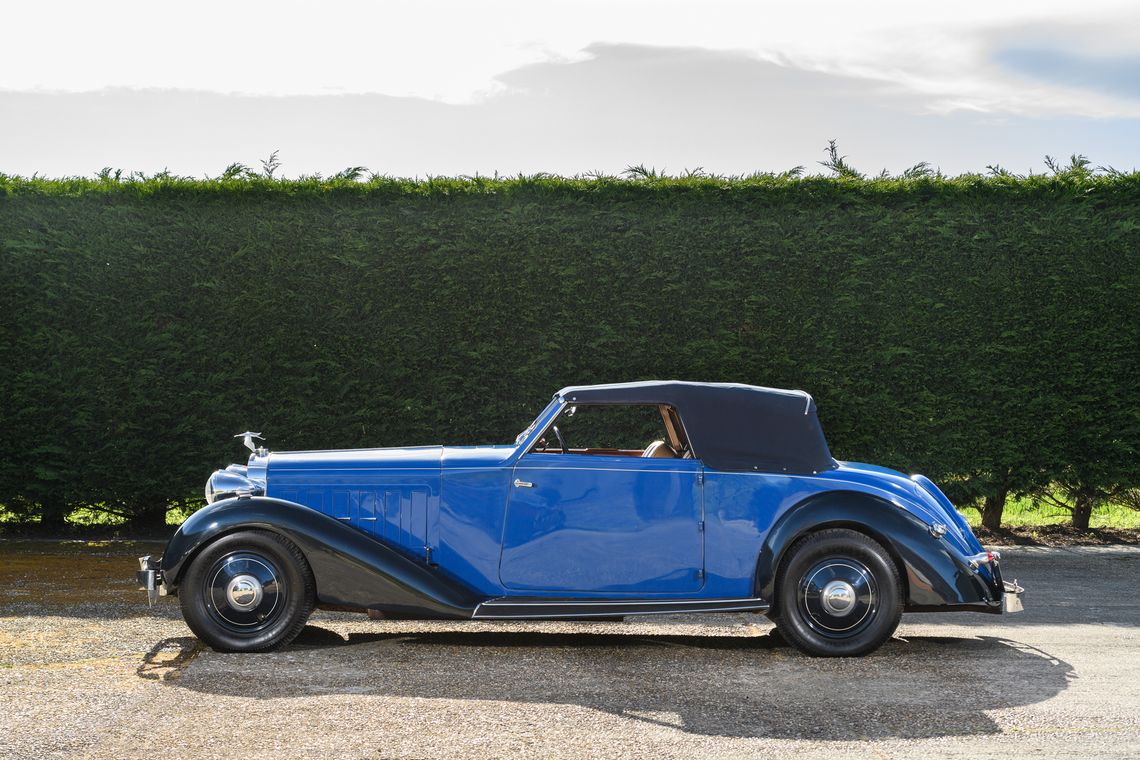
column 983, row 330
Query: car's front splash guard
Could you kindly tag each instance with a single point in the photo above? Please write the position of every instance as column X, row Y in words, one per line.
column 351, row 569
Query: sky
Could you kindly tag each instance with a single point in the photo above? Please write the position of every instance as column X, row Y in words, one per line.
column 462, row 88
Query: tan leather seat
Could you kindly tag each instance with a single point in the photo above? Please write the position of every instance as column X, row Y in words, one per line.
column 658, row 450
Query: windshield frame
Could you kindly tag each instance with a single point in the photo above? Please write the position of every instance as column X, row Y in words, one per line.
column 536, row 427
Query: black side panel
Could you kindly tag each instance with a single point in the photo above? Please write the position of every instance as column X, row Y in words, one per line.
column 351, row 568
column 934, row 578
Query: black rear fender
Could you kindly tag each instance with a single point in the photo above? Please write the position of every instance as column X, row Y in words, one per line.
column 933, row 576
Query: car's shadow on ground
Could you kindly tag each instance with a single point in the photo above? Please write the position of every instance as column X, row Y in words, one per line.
column 743, row 686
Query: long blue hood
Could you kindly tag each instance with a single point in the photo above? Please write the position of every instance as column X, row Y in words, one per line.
column 400, row 458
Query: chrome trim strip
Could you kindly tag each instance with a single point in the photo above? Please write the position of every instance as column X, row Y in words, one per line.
column 591, row 608
column 693, row 471
column 334, row 468
column 506, row 600
column 478, row 616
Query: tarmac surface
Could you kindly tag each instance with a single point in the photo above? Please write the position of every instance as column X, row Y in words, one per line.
column 87, row 670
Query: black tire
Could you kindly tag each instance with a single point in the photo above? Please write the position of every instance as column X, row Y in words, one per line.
column 838, row 594
column 250, row 591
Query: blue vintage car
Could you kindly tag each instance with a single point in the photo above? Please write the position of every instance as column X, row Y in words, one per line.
column 623, row 499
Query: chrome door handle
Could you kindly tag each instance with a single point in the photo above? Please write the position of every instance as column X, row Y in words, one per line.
column 523, row 484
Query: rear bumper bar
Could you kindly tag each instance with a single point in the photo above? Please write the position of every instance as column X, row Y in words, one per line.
column 1011, row 597
column 1006, row 593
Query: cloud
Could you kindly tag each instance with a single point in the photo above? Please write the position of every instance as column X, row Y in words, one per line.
column 455, row 52
column 673, row 108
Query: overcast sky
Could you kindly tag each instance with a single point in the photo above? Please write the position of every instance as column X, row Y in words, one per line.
column 419, row 88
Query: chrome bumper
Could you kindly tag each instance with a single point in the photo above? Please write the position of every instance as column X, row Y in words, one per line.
column 150, row 579
column 974, row 561
column 1011, row 597
column 1010, row 592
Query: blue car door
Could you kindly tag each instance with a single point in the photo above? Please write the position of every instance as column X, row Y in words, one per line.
column 588, row 523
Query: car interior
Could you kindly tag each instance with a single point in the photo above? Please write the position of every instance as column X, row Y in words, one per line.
column 632, row 430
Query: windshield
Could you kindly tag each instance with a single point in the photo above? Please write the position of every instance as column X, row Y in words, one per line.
column 530, row 428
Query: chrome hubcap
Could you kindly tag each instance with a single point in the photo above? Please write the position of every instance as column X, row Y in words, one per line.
column 838, row 597
column 244, row 592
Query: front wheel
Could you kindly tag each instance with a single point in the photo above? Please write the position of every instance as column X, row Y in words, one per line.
column 838, row 594
column 250, row 591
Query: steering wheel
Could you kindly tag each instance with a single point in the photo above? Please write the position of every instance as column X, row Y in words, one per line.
column 561, row 440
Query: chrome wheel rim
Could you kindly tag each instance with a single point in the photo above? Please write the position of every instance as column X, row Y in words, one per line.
column 838, row 597
column 244, row 592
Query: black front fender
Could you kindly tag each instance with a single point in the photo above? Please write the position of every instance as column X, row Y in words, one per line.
column 351, row 568
column 934, row 574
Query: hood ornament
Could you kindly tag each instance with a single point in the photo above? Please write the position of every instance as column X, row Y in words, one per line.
column 247, row 438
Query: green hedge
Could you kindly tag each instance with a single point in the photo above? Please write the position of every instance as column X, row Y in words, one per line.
column 981, row 330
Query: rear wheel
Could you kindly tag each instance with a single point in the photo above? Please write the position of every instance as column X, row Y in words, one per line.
column 248, row 592
column 838, row 594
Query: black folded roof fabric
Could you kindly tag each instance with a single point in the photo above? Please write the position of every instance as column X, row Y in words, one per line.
column 738, row 428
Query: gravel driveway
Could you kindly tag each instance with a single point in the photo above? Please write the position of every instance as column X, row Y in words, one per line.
column 87, row 670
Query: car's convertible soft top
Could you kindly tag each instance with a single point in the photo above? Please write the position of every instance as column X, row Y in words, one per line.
column 731, row 427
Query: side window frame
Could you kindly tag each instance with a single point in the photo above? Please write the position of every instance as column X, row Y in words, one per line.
column 674, row 427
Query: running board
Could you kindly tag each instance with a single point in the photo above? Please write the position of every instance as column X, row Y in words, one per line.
column 539, row 608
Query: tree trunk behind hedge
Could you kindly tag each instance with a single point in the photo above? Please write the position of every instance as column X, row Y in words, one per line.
column 1082, row 512
column 992, row 509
